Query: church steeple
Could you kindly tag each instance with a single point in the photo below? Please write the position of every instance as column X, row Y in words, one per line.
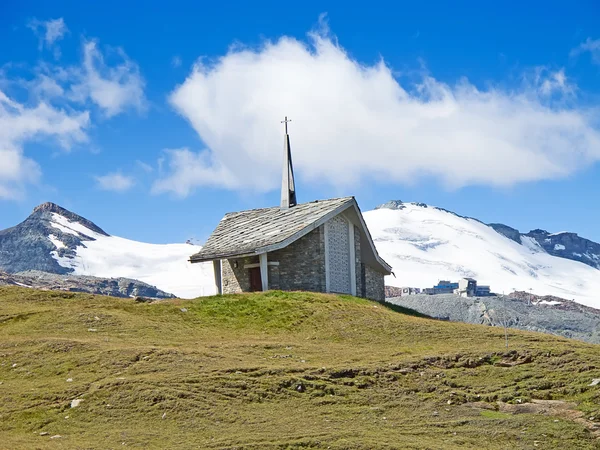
column 288, row 186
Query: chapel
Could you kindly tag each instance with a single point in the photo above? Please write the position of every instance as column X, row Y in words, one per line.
column 319, row 246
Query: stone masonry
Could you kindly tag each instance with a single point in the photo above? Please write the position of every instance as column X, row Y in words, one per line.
column 374, row 284
column 302, row 263
column 301, row 267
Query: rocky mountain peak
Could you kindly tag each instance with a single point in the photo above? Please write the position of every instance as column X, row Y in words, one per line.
column 37, row 242
column 392, row 204
column 509, row 232
column 539, row 231
column 46, row 209
column 50, row 207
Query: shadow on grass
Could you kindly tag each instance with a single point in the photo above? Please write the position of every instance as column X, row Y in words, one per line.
column 406, row 311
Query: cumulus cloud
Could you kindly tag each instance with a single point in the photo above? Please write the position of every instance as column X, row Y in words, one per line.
column 49, row 32
column 115, row 181
column 591, row 46
column 20, row 123
column 355, row 123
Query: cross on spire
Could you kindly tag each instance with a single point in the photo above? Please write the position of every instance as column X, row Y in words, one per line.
column 288, row 186
column 286, row 122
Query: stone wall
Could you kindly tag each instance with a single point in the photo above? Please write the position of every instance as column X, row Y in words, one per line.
column 301, row 267
column 236, row 279
column 374, row 284
column 301, row 264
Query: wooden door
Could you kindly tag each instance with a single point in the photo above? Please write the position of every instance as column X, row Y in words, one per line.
column 255, row 280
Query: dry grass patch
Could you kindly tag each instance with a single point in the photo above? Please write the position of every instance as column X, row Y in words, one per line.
column 279, row 370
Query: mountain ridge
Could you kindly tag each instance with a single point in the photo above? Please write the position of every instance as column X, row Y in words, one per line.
column 55, row 240
column 423, row 243
column 576, row 248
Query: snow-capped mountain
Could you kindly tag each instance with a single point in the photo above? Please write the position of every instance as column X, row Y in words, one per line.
column 563, row 244
column 425, row 244
column 55, row 240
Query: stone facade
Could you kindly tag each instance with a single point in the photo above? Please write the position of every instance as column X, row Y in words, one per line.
column 236, row 279
column 374, row 284
column 301, row 267
column 301, row 264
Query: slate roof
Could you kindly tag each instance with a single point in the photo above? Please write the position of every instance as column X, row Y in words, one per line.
column 267, row 229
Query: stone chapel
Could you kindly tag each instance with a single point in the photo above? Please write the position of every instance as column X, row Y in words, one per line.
column 319, row 246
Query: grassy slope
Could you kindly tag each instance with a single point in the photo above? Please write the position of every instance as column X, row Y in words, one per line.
column 226, row 374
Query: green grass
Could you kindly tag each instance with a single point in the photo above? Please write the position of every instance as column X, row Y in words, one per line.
column 277, row 370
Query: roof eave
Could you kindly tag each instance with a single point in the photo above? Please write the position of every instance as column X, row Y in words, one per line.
column 222, row 256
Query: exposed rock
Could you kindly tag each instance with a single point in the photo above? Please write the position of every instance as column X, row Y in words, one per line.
column 569, row 246
column 392, row 291
column 116, row 287
column 27, row 247
column 545, row 314
column 392, row 204
column 509, row 232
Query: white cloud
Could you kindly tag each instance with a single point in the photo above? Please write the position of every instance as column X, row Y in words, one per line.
column 553, row 83
column 355, row 123
column 19, row 124
column 187, row 167
column 115, row 181
column 112, row 88
column 49, row 32
column 590, row 45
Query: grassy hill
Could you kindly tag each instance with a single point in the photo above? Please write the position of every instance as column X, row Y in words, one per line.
column 281, row 370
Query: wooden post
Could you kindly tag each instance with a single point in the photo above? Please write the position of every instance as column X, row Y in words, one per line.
column 264, row 271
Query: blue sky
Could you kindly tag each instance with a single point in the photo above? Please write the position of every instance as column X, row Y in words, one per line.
column 153, row 120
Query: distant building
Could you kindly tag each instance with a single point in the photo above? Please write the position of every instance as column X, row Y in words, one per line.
column 409, row 291
column 483, row 291
column 465, row 287
column 443, row 287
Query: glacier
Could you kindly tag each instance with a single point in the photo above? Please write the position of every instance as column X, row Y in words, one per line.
column 425, row 244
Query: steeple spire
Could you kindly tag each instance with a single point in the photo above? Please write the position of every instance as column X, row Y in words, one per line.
column 288, row 186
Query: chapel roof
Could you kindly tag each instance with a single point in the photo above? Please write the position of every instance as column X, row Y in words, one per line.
column 256, row 231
